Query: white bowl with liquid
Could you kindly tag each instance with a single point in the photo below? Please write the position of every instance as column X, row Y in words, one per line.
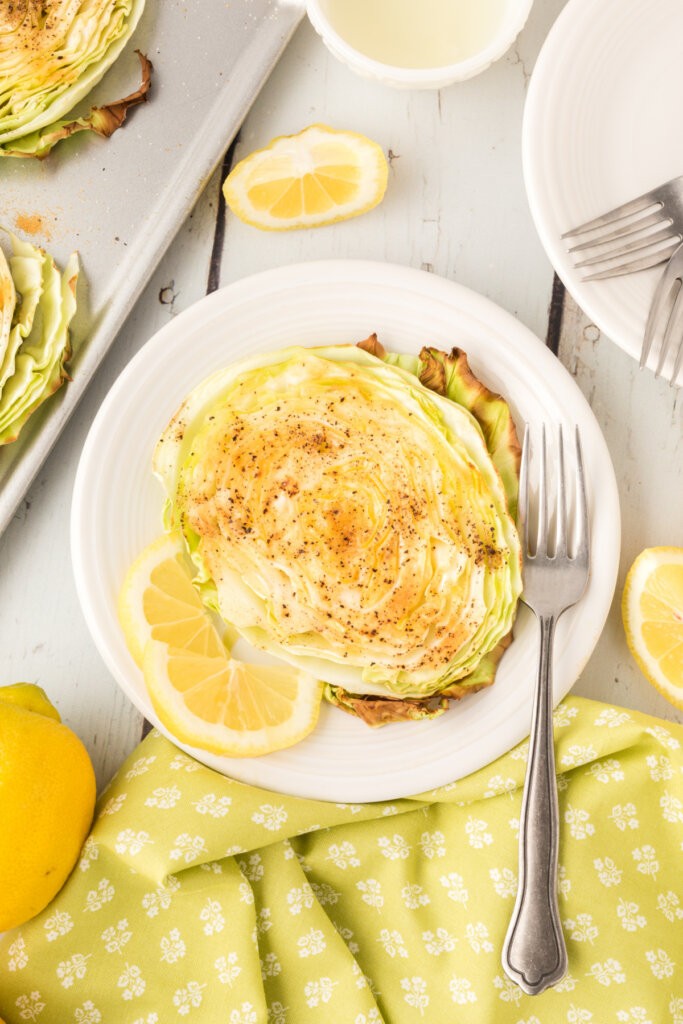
column 418, row 44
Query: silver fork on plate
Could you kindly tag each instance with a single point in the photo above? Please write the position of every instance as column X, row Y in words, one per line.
column 637, row 235
column 666, row 312
column 534, row 952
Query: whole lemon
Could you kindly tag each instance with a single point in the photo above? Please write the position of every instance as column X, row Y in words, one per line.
column 47, row 798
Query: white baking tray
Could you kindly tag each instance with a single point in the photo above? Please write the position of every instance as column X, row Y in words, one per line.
column 120, row 201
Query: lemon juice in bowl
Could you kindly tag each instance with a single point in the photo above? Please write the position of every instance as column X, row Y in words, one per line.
column 416, row 33
column 418, row 43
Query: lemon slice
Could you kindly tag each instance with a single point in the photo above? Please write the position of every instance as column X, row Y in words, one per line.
column 227, row 707
column 301, row 181
column 652, row 609
column 203, row 696
column 157, row 601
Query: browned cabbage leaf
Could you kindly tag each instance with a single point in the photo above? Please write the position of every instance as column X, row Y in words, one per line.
column 103, row 121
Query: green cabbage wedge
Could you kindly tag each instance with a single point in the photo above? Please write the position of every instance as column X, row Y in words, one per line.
column 369, row 543
column 37, row 343
column 8, row 301
column 52, row 53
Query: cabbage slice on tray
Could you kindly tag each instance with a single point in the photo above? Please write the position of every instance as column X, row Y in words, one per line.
column 350, row 512
column 8, row 301
column 35, row 345
column 52, row 53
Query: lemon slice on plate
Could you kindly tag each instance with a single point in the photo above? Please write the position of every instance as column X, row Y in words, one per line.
column 652, row 609
column 226, row 706
column 316, row 177
column 157, row 601
column 202, row 695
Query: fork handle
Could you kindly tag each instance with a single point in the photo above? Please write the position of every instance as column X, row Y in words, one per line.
column 534, row 953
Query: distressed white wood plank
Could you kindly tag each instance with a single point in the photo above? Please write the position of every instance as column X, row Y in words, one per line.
column 642, row 420
column 43, row 633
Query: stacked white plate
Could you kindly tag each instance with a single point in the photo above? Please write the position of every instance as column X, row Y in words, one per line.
column 602, row 126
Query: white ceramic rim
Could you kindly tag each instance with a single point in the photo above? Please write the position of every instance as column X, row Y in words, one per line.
column 404, row 758
column 419, row 78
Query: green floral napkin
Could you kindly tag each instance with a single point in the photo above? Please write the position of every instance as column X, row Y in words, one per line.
column 198, row 898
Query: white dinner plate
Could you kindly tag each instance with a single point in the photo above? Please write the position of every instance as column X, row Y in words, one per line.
column 117, row 503
column 601, row 126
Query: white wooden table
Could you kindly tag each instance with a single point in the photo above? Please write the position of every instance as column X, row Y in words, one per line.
column 455, row 206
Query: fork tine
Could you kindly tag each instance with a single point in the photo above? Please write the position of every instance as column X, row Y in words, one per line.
column 672, row 329
column 632, row 265
column 618, row 213
column 677, row 362
column 660, row 300
column 583, row 543
column 523, row 500
column 561, row 525
column 631, row 228
column 542, row 534
column 637, row 245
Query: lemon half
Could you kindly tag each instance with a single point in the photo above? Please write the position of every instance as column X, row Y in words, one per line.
column 316, row 177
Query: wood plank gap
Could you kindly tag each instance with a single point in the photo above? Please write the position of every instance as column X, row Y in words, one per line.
column 555, row 315
column 214, row 278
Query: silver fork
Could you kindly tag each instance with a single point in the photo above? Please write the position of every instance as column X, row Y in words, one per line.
column 638, row 234
column 534, row 952
column 666, row 312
